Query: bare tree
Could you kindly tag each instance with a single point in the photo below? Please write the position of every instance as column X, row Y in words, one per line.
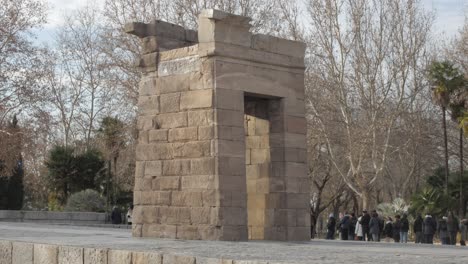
column 366, row 55
column 85, row 73
column 20, row 66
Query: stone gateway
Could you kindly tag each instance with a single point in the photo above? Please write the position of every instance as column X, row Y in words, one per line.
column 221, row 153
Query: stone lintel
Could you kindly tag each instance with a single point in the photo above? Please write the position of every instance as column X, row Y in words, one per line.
column 161, row 35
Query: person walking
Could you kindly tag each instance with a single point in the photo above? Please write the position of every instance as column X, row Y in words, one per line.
column 116, row 216
column 365, row 225
column 404, row 229
column 352, row 226
column 129, row 215
column 344, row 226
column 396, row 229
column 452, row 228
column 374, row 227
column 443, row 231
column 388, row 230
column 358, row 230
column 418, row 228
column 331, row 227
column 429, row 227
column 463, row 231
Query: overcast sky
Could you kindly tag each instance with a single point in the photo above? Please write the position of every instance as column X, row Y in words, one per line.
column 450, row 15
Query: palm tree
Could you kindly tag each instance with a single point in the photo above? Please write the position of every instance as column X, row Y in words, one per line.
column 445, row 79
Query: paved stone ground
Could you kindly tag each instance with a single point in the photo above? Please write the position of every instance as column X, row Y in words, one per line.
column 317, row 251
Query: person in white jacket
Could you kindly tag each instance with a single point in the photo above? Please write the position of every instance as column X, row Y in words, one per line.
column 358, row 230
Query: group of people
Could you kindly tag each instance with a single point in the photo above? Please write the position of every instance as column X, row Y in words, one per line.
column 116, row 215
column 372, row 227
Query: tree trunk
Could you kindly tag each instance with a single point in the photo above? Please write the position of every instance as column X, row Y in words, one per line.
column 444, row 127
column 462, row 209
column 365, row 199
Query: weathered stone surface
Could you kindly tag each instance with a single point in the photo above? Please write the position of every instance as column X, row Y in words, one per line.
column 200, row 118
column 22, row 253
column 45, row 254
column 174, row 259
column 230, row 118
column 183, row 134
column 204, row 166
column 179, row 66
column 198, row 182
column 5, row 252
column 229, row 99
column 170, row 102
column 278, row 45
column 201, row 260
column 148, row 105
column 153, row 168
column 159, row 230
column 194, row 149
column 176, row 167
column 205, row 132
column 95, row 256
column 200, row 215
column 188, row 232
column 186, row 199
column 196, row 99
column 70, row 255
column 146, row 258
column 119, row 256
column 171, row 120
column 157, row 135
column 156, row 152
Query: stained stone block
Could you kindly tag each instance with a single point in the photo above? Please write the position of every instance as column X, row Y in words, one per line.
column 22, row 253
column 201, row 260
column 171, row 120
column 119, row 256
column 176, row 167
column 196, row 99
column 200, row 118
column 45, row 254
column 70, row 255
column 153, row 168
column 95, row 256
column 205, row 132
column 170, row 102
column 183, row 134
column 157, row 135
column 146, row 258
column 204, row 166
column 5, row 252
column 173, row 259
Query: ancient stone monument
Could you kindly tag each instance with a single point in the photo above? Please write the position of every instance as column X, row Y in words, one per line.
column 222, row 133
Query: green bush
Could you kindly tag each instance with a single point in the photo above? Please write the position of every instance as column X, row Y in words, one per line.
column 86, row 201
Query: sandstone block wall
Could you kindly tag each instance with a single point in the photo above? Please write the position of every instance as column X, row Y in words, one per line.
column 198, row 165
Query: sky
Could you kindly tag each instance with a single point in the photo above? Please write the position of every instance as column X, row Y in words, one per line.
column 450, row 15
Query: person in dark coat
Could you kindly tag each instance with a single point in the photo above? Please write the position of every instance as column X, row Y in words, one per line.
column 388, row 230
column 116, row 216
column 418, row 228
column 429, row 229
column 374, row 227
column 331, row 227
column 344, row 226
column 443, row 231
column 396, row 229
column 352, row 226
column 452, row 228
column 404, row 229
column 365, row 225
